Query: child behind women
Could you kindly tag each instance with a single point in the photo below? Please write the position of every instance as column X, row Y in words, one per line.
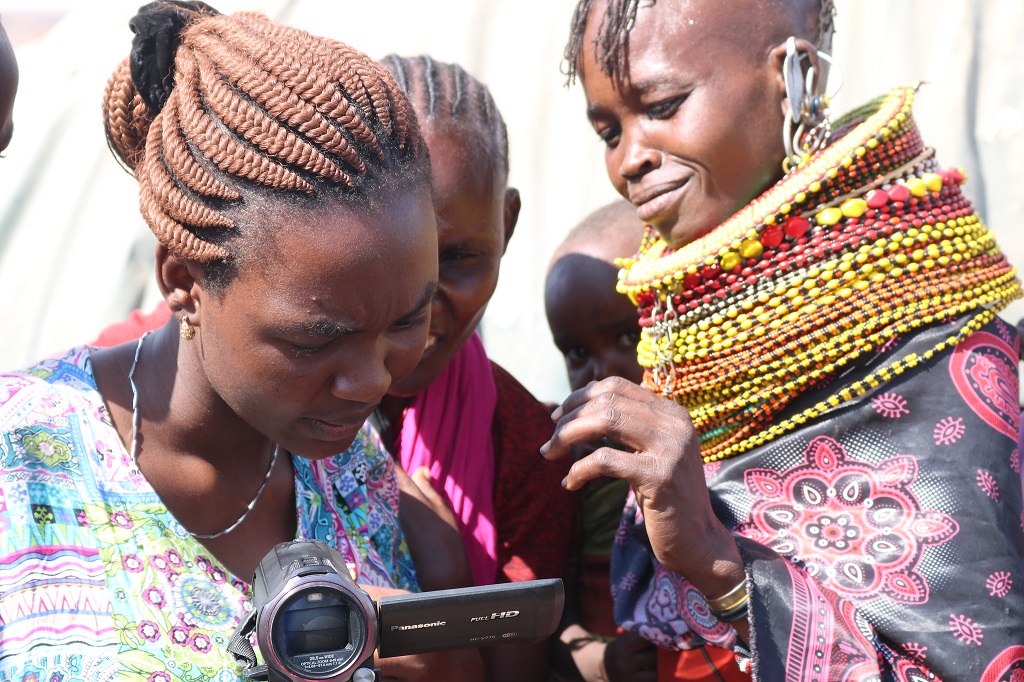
column 595, row 329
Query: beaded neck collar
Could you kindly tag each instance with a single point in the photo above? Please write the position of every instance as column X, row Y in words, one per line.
column 863, row 242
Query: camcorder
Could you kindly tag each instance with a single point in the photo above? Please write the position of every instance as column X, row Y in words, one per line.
column 313, row 622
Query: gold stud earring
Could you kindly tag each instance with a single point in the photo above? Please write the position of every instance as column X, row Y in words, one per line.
column 186, row 330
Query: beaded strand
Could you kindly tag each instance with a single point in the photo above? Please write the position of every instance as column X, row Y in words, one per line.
column 862, row 243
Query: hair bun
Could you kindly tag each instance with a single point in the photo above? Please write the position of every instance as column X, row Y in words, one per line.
column 157, row 27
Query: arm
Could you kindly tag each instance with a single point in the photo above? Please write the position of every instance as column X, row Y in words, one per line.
column 664, row 469
column 964, row 501
column 431, row 533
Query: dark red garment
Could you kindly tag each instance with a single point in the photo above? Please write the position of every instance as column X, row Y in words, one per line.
column 533, row 513
column 135, row 325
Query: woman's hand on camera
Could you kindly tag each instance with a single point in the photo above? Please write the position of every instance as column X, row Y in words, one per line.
column 659, row 454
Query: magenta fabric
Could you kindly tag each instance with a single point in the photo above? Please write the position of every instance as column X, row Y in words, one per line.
column 448, row 430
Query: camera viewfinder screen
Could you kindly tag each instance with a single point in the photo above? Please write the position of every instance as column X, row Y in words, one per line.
column 316, row 630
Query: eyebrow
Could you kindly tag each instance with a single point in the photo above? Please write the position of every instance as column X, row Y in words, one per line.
column 423, row 302
column 324, row 327
column 317, row 328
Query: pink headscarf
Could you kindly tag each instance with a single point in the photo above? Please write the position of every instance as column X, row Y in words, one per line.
column 448, row 430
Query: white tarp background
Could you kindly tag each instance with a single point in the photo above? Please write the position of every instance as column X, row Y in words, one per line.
column 75, row 256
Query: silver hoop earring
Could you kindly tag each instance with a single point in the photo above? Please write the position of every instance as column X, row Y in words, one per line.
column 807, row 127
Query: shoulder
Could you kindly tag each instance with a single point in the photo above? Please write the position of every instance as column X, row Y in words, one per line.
column 516, row 405
column 55, row 391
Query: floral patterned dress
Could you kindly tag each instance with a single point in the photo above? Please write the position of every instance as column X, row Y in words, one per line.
column 884, row 541
column 99, row 581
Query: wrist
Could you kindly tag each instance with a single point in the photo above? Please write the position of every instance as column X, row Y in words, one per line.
column 722, row 567
column 589, row 659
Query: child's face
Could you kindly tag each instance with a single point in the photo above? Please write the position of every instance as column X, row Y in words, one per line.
column 8, row 86
column 693, row 128
column 474, row 219
column 593, row 326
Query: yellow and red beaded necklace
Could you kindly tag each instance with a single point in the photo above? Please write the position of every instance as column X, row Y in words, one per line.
column 863, row 242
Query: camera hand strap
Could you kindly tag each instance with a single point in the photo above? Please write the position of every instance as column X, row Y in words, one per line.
column 241, row 649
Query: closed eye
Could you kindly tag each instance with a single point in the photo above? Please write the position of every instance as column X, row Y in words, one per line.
column 455, row 253
column 609, row 135
column 665, row 108
column 303, row 351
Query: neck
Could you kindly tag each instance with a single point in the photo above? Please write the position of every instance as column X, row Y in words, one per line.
column 181, row 413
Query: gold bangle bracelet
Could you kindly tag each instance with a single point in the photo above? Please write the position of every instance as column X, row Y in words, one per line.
column 731, row 599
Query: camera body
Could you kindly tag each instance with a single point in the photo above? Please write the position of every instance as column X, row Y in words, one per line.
column 313, row 622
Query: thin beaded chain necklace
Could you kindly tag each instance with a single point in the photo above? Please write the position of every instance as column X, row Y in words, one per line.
column 135, row 431
column 861, row 243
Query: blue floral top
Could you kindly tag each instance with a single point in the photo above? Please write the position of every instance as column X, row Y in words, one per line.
column 99, row 581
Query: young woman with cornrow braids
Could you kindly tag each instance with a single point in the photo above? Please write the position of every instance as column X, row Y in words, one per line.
column 288, row 186
column 458, row 419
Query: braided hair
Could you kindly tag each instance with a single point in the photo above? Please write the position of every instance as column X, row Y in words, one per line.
column 210, row 109
column 619, row 19
column 445, row 94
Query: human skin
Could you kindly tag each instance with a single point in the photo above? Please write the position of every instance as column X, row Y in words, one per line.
column 693, row 128
column 295, row 351
column 697, row 73
column 8, row 88
column 476, row 216
column 594, row 327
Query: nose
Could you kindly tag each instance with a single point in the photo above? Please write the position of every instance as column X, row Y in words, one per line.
column 365, row 382
column 638, row 158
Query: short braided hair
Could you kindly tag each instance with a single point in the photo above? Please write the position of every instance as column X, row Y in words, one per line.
column 211, row 107
column 447, row 93
column 619, row 19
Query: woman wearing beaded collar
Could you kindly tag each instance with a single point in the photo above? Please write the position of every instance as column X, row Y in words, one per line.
column 285, row 178
column 833, row 488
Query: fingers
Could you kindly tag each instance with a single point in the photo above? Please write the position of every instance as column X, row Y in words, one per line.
column 622, row 412
column 635, row 467
column 616, row 385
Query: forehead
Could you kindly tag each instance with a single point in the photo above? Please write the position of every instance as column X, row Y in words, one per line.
column 288, row 231
column 670, row 33
column 328, row 258
column 462, row 161
column 467, row 184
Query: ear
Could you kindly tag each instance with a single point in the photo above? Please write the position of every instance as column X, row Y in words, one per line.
column 808, row 58
column 511, row 213
column 178, row 281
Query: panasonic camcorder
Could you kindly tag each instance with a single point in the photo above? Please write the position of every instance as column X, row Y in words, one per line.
column 313, row 622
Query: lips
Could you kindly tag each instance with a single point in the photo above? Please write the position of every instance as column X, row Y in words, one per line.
column 656, row 201
column 336, row 428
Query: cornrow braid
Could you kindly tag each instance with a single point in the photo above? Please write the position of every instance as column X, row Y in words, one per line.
column 620, row 17
column 446, row 93
column 240, row 103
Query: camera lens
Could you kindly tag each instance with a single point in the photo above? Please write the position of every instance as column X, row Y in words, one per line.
column 313, row 632
column 316, row 630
